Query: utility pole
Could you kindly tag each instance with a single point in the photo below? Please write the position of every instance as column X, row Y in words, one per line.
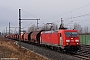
column 6, row 30
column 9, row 28
column 37, row 24
column 20, row 25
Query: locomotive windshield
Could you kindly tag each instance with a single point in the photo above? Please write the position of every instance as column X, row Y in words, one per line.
column 71, row 34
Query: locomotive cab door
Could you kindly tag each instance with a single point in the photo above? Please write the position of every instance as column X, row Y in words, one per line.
column 61, row 41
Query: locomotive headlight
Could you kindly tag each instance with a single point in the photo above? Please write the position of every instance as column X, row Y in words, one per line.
column 76, row 40
column 77, row 43
column 67, row 43
column 67, row 40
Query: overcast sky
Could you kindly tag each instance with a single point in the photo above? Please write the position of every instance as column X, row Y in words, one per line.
column 46, row 10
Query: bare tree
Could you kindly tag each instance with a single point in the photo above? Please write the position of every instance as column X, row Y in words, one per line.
column 57, row 27
column 52, row 26
column 86, row 29
column 78, row 27
column 45, row 27
column 32, row 28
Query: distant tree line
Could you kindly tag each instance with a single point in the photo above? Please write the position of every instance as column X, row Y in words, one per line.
column 43, row 27
column 81, row 30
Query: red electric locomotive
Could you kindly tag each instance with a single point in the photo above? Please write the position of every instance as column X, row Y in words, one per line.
column 64, row 39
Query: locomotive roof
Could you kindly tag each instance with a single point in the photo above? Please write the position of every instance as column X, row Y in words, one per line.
column 59, row 31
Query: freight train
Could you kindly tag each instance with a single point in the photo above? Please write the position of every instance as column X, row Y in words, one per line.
column 62, row 39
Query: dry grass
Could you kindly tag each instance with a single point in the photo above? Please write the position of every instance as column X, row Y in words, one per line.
column 9, row 50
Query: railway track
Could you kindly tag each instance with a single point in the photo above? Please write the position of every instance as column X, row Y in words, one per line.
column 84, row 53
column 82, row 57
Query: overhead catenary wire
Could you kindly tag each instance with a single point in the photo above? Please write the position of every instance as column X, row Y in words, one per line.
column 88, row 19
column 29, row 14
column 71, row 11
column 26, row 26
column 61, row 14
column 79, row 16
column 74, row 17
column 81, row 7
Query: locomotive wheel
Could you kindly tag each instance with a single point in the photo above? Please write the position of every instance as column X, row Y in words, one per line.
column 55, row 48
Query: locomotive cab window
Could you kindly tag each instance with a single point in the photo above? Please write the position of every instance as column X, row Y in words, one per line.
column 69, row 34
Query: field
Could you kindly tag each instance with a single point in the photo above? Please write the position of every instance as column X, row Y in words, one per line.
column 85, row 39
column 8, row 49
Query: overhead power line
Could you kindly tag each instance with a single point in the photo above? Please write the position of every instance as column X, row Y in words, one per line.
column 29, row 14
column 26, row 26
column 79, row 16
column 81, row 7
column 71, row 11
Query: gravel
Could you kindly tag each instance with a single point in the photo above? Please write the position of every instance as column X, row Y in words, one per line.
column 53, row 55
